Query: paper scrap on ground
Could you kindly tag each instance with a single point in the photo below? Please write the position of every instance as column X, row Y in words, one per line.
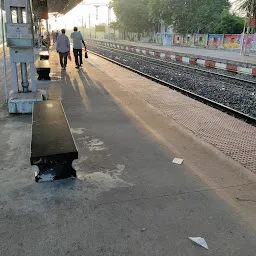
column 177, row 161
column 199, row 240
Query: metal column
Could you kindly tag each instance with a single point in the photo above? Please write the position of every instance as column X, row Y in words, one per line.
column 23, row 66
column 3, row 42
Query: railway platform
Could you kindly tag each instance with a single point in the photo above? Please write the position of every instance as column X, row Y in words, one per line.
column 228, row 60
column 129, row 197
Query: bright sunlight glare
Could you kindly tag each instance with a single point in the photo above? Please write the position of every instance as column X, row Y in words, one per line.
column 84, row 14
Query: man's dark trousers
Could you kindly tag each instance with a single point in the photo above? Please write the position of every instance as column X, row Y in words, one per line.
column 78, row 56
column 63, row 55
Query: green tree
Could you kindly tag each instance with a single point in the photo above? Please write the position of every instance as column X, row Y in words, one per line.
column 132, row 15
column 116, row 26
column 248, row 7
column 189, row 16
column 161, row 9
column 209, row 13
column 230, row 23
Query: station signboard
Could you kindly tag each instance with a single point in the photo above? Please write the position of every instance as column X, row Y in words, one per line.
column 100, row 29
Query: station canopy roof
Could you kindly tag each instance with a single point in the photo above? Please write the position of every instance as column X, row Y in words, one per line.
column 54, row 6
column 57, row 6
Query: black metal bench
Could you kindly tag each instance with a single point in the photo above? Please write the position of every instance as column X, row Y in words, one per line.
column 44, row 55
column 52, row 146
column 43, row 69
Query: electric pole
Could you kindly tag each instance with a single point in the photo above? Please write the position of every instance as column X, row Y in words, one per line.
column 251, row 16
column 97, row 11
column 90, row 26
column 83, row 25
column 109, row 17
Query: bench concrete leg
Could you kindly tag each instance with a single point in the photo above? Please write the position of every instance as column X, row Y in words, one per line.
column 44, row 74
column 50, row 170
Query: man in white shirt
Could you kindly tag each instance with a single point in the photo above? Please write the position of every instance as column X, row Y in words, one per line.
column 63, row 48
column 77, row 47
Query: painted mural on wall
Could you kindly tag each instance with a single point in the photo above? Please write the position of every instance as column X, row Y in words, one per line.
column 200, row 40
column 232, row 41
column 215, row 41
column 190, row 40
column 158, row 38
column 249, row 41
column 183, row 39
column 177, row 39
column 168, row 39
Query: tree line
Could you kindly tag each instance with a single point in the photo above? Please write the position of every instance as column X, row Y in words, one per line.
column 186, row 16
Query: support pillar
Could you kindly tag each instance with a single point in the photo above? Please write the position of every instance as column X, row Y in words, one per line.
column 20, row 40
column 15, row 85
column 23, row 66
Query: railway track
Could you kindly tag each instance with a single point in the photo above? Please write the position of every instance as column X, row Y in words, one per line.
column 173, row 64
column 108, row 54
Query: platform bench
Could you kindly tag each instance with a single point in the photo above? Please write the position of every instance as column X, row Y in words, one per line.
column 43, row 69
column 44, row 55
column 52, row 146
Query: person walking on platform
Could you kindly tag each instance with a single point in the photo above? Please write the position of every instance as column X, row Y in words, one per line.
column 77, row 47
column 63, row 48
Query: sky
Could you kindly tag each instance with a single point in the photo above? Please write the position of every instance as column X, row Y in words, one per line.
column 81, row 14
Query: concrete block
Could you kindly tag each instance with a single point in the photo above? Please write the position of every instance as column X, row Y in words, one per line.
column 22, row 103
column 221, row 65
column 201, row 62
column 173, row 57
column 193, row 61
column 185, row 60
column 246, row 71
column 157, row 54
column 178, row 58
column 232, row 68
column 210, row 64
column 162, row 55
column 254, row 72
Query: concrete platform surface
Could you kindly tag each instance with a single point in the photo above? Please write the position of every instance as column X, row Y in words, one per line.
column 233, row 137
column 129, row 198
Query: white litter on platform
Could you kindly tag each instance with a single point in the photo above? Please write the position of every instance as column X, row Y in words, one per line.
column 177, row 160
column 200, row 241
